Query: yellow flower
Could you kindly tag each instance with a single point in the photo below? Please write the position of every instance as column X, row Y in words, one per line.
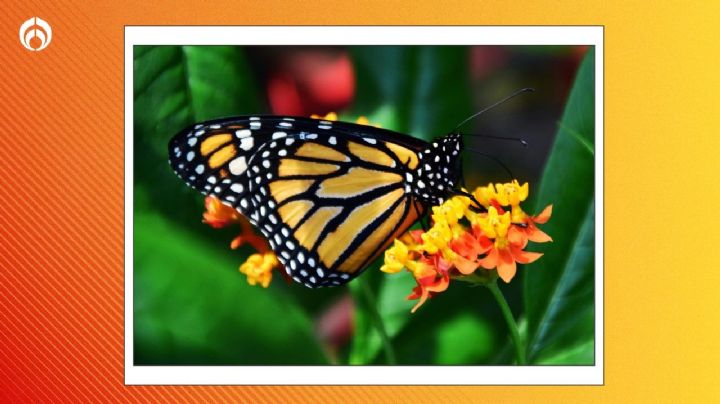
column 485, row 195
column 331, row 116
column 395, row 258
column 494, row 225
column 259, row 267
column 511, row 193
column 437, row 237
column 450, row 212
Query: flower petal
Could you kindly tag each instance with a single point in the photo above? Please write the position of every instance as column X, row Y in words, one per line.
column 464, row 265
column 517, row 237
column 537, row 235
column 544, row 216
column 506, row 267
column 491, row 260
column 525, row 257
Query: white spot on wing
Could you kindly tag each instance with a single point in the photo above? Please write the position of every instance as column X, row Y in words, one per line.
column 247, row 143
column 238, row 166
column 243, row 133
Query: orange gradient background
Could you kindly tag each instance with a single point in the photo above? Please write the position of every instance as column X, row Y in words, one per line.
column 61, row 196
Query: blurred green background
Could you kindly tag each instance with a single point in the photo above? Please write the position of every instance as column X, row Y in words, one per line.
column 192, row 306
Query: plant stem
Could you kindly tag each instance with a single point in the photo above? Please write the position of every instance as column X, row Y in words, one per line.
column 510, row 320
column 379, row 325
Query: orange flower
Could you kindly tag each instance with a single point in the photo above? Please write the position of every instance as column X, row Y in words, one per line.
column 531, row 231
column 258, row 266
column 432, row 279
column 219, row 215
column 505, row 253
column 461, row 240
column 332, row 116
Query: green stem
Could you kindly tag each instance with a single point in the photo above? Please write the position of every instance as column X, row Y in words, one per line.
column 510, row 320
column 379, row 325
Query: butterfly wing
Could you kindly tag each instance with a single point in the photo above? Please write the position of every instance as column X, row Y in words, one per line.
column 328, row 196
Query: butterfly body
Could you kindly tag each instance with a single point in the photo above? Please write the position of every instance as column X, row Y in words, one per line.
column 329, row 196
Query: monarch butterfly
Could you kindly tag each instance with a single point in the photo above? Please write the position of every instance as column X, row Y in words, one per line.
column 328, row 196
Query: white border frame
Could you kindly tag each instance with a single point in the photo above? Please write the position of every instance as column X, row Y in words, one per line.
column 363, row 375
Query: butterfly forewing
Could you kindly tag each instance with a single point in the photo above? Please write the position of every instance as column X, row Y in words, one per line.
column 328, row 196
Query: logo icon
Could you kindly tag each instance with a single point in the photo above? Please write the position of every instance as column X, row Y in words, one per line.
column 35, row 34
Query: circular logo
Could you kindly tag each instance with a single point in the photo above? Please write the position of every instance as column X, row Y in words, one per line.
column 35, row 34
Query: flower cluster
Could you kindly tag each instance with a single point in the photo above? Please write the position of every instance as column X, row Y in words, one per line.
column 258, row 267
column 489, row 230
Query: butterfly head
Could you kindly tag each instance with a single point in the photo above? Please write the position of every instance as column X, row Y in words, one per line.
column 438, row 170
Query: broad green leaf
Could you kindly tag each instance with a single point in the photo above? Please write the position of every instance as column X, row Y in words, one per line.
column 584, row 352
column 419, row 90
column 175, row 86
column 559, row 287
column 192, row 306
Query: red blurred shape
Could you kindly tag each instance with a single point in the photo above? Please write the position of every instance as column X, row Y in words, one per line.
column 312, row 81
column 334, row 327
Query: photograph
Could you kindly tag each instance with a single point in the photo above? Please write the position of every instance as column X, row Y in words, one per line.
column 364, row 205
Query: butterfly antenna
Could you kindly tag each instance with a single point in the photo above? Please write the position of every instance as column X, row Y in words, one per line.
column 520, row 140
column 504, row 100
column 495, row 159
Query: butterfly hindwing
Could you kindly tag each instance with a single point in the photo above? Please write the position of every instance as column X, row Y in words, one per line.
column 328, row 196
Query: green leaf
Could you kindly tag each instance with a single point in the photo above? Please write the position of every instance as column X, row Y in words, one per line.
column 581, row 353
column 423, row 91
column 176, row 86
column 192, row 306
column 559, row 287
column 389, row 302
